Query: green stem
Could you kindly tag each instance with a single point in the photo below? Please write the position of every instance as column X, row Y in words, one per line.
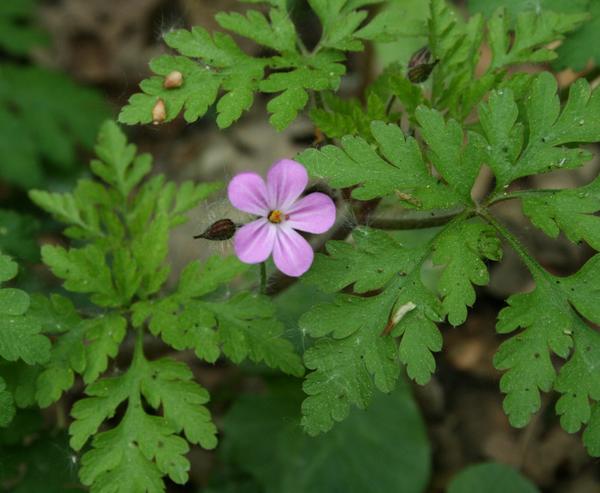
column 534, row 267
column 416, row 221
column 61, row 420
column 263, row 278
column 138, row 350
column 302, row 47
column 501, row 197
column 390, row 104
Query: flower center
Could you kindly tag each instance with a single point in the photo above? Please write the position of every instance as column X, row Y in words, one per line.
column 276, row 216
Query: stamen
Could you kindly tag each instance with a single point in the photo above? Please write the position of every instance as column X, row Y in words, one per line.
column 276, row 216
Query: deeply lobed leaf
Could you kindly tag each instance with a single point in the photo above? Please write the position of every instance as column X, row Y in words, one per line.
column 549, row 129
column 142, row 448
column 241, row 327
column 397, row 168
column 356, row 349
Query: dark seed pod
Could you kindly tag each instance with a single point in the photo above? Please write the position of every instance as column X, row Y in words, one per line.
column 420, row 57
column 221, row 230
column 421, row 73
column 420, row 66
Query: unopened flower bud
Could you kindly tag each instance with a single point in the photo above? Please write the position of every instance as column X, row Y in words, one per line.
column 221, row 230
column 159, row 112
column 420, row 66
column 173, row 80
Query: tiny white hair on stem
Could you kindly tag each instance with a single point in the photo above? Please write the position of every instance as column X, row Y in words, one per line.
column 166, row 26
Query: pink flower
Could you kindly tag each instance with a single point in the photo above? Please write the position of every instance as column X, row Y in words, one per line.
column 281, row 212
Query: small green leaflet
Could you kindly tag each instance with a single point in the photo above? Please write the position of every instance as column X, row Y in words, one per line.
column 392, row 82
column 57, row 315
column 77, row 209
column 455, row 44
column 344, row 27
column 141, row 448
column 498, row 118
column 340, row 21
column 581, row 46
column 241, row 327
column 277, row 32
column 546, row 318
column 345, row 366
column 20, row 336
column 445, row 29
column 457, row 163
column 579, row 381
column 82, row 346
column 533, row 31
column 461, row 248
column 85, row 271
column 549, row 129
column 117, row 163
column 338, row 269
column 247, row 328
column 394, row 22
column 319, row 73
column 347, row 117
column 182, row 399
column 397, row 168
column 571, row 211
column 552, row 317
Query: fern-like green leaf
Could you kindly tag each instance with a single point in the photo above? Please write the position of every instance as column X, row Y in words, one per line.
column 549, row 129
column 398, row 168
column 20, row 336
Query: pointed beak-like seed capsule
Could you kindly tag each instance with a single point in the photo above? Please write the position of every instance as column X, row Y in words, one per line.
column 420, row 66
column 159, row 112
column 221, row 230
column 173, row 80
column 420, row 57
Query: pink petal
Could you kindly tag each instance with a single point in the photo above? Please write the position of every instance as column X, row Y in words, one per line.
column 253, row 243
column 292, row 254
column 314, row 213
column 286, row 180
column 247, row 192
